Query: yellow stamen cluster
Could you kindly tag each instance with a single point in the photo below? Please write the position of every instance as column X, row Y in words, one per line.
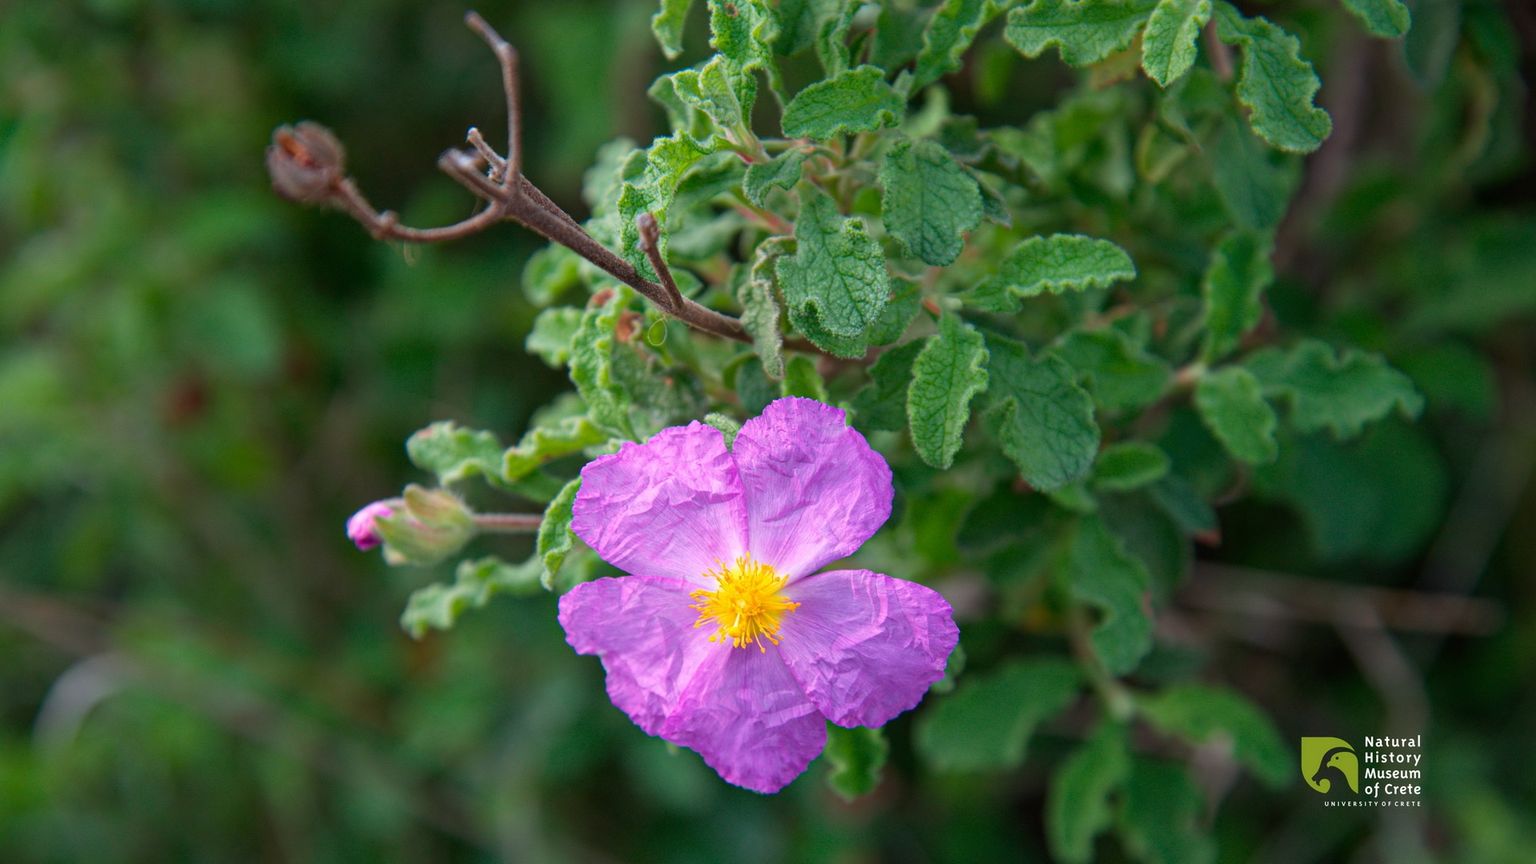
column 746, row 604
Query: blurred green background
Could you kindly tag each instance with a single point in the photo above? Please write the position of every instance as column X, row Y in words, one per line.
column 199, row 382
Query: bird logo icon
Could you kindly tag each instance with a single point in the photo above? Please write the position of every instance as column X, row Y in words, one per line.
column 1330, row 766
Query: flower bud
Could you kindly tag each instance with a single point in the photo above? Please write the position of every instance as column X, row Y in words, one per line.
column 434, row 525
column 306, row 162
column 363, row 529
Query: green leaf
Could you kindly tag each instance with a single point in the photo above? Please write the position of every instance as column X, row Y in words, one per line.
column 744, row 31
column 554, row 539
column 858, row 100
column 1388, row 19
column 882, row 404
column 986, row 723
column 1084, row 31
column 1182, row 502
column 1063, row 262
column 723, row 93
column 760, row 307
column 1339, row 393
column 832, row 47
column 930, row 202
column 438, row 606
column 836, row 280
column 1254, row 183
column 1078, row 807
column 906, row 300
column 1161, row 814
column 550, row 338
column 1231, row 403
column 550, row 272
column 947, row 374
column 1168, row 46
column 1129, row 465
column 665, row 163
column 592, row 368
column 1276, row 84
column 1238, row 273
column 727, row 425
column 1103, row 575
column 802, row 379
column 948, row 35
column 782, row 171
column 542, row 444
column 1040, row 416
column 1118, row 374
column 1201, row 714
column 454, row 453
column 856, row 756
column 667, row 25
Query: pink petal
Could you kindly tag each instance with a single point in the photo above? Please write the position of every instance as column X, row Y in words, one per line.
column 642, row 628
column 751, row 722
column 865, row 646
column 815, row 491
column 672, row 506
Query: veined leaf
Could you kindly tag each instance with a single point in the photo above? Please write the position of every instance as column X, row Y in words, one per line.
column 1168, row 46
column 667, row 25
column 1064, row 262
column 1084, row 31
column 946, row 376
column 1388, row 19
column 1238, row 273
column 949, row 33
column 438, row 606
column 591, row 365
column 554, row 540
column 1231, row 403
column 1339, row 393
column 858, row 100
column 1040, row 416
column 882, row 404
column 454, row 453
column 930, row 202
column 836, row 279
column 1276, row 84
column 1102, row 574
column 782, row 171
column 542, row 444
column 666, row 161
column 760, row 307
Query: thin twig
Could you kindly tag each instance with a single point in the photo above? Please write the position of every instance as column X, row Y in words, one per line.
column 506, row 55
column 509, row 523
column 492, row 158
column 650, row 244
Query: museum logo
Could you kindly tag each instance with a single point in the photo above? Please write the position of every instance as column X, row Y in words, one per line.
column 1383, row 772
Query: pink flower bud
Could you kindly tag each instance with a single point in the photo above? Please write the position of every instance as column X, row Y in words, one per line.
column 361, row 528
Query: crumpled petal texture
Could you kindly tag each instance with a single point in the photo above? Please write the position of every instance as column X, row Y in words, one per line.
column 672, row 506
column 865, row 646
column 815, row 489
column 800, row 490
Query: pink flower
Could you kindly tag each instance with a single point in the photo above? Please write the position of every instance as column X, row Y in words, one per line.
column 361, row 529
column 725, row 639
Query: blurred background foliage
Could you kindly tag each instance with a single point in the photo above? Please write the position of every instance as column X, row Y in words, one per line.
column 199, row 382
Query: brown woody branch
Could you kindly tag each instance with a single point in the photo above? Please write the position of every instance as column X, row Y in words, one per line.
column 307, row 165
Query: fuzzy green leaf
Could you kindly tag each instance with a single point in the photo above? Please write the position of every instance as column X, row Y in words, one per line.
column 1276, row 84
column 653, row 190
column 1200, row 714
column 1168, row 46
column 802, row 379
column 1388, row 19
column 836, row 279
column 1118, row 374
column 555, row 539
column 1129, row 465
column 1339, row 393
column 667, row 25
column 1078, row 807
column 832, row 47
column 948, row 35
column 1063, row 262
column 592, row 368
column 1084, row 31
column 550, row 272
column 1102, row 574
column 744, row 31
column 550, row 338
column 782, row 171
column 985, row 725
column 545, row 443
column 856, row 757
column 454, row 453
column 858, row 100
column 1040, row 416
column 947, row 375
column 930, row 201
column 438, row 606
column 1161, row 815
column 882, row 404
column 724, row 94
column 1238, row 273
column 728, row 427
column 1231, row 403
column 760, row 307
column 1254, row 183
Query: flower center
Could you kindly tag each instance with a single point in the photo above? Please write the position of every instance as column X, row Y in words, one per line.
column 746, row 604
